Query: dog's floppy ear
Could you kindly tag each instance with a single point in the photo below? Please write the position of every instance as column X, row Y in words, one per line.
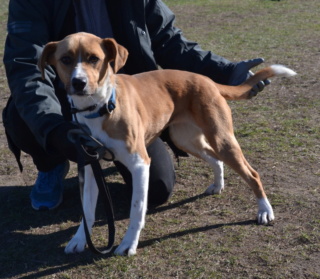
column 115, row 53
column 47, row 57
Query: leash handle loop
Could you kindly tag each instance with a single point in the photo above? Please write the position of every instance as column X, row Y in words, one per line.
column 85, row 156
column 106, row 199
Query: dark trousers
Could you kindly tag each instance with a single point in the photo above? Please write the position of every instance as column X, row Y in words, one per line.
column 162, row 175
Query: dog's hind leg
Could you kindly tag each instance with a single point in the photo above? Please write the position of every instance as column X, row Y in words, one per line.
column 219, row 133
column 190, row 139
column 89, row 202
column 230, row 153
column 215, row 120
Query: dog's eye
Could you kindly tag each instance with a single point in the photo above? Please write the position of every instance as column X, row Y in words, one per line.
column 66, row 60
column 93, row 59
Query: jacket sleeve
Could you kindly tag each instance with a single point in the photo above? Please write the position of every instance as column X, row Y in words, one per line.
column 173, row 51
column 34, row 98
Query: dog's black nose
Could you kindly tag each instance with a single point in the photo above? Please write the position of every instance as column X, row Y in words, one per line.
column 79, row 83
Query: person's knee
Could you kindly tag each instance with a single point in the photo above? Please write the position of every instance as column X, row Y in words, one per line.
column 160, row 184
column 159, row 192
column 162, row 174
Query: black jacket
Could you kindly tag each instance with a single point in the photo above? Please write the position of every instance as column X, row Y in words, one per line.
column 144, row 27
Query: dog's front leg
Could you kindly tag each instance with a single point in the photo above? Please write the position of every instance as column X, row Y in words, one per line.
column 140, row 182
column 89, row 202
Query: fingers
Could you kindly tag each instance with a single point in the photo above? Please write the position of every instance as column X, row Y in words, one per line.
column 261, row 84
column 259, row 87
column 266, row 82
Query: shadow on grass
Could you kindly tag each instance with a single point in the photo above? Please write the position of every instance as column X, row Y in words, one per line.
column 150, row 242
column 32, row 243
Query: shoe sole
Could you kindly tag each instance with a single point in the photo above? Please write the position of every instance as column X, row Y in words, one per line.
column 45, row 208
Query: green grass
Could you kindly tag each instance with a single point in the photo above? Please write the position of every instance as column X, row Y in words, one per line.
column 231, row 28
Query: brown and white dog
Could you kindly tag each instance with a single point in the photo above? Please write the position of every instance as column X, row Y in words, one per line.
column 191, row 105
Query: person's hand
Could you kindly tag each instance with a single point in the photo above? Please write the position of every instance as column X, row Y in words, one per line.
column 242, row 71
column 89, row 148
column 64, row 138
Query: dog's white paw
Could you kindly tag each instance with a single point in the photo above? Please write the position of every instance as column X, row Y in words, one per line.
column 265, row 213
column 129, row 244
column 76, row 245
column 214, row 189
column 126, row 249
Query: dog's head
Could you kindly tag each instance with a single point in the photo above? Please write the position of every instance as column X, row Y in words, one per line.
column 83, row 61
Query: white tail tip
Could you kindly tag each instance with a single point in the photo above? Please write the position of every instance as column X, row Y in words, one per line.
column 280, row 70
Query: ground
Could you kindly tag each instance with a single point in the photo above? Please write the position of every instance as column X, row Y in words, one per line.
column 193, row 235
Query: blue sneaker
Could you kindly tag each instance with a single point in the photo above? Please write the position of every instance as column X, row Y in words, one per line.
column 47, row 192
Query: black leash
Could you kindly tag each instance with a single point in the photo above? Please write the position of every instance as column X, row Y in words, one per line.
column 89, row 152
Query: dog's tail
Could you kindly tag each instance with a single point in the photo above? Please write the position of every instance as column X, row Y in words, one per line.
column 242, row 92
